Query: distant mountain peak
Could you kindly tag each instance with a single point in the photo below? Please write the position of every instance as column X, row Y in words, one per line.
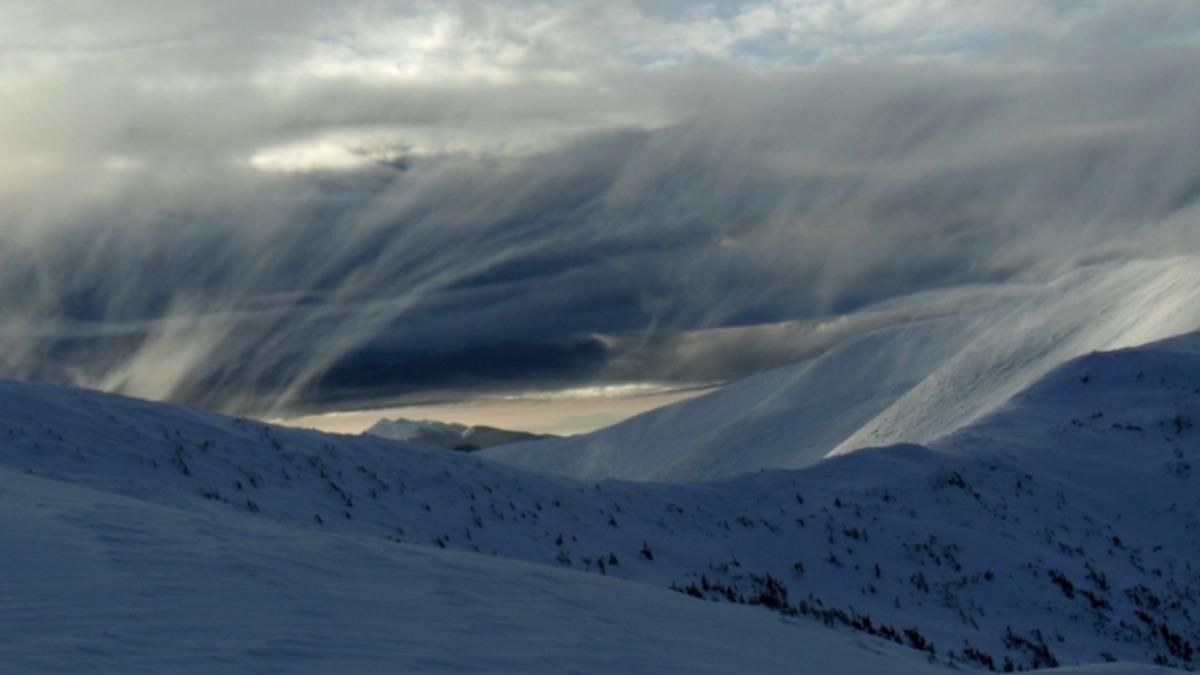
column 449, row 435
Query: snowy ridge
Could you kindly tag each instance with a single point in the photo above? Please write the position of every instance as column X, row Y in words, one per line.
column 1097, row 308
column 784, row 418
column 1060, row 529
column 911, row 383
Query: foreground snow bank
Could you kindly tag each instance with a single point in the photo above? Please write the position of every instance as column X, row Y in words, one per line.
column 99, row 583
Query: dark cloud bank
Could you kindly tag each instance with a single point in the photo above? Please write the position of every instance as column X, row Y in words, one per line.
column 698, row 222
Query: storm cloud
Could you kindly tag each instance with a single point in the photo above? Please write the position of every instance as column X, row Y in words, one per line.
column 305, row 206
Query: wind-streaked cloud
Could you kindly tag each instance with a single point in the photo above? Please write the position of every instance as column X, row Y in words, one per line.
column 297, row 205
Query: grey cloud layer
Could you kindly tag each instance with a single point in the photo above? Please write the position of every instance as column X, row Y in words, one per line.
column 544, row 200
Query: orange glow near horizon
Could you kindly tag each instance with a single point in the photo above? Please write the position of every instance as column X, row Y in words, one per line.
column 538, row 415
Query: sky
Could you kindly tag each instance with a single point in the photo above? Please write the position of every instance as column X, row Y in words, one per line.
column 560, row 412
column 298, row 208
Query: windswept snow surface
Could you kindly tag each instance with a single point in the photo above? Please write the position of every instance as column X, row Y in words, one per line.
column 910, row 383
column 1060, row 529
column 98, row 583
column 93, row 582
column 1095, row 309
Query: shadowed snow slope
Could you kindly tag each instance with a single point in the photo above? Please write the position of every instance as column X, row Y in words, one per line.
column 911, row 383
column 96, row 582
column 1058, row 529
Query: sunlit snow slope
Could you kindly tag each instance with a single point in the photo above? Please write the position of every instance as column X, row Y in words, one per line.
column 910, row 383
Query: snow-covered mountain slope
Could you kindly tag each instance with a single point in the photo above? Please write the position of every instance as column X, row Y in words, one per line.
column 784, row 418
column 1061, row 529
column 1097, row 308
column 93, row 582
column 448, row 434
column 912, row 383
column 99, row 583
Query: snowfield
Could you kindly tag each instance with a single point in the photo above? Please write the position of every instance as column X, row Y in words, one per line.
column 1059, row 529
column 98, row 583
